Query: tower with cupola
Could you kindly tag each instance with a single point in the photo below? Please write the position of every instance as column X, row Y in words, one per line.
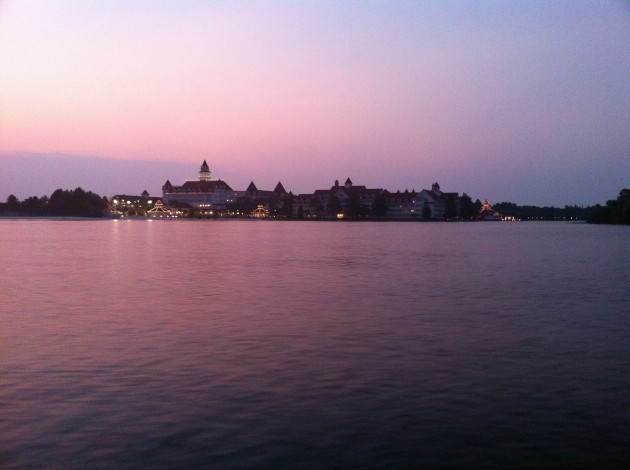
column 204, row 172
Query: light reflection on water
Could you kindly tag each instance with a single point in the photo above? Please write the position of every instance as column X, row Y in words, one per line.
column 254, row 343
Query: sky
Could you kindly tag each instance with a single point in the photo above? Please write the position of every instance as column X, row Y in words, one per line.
column 522, row 101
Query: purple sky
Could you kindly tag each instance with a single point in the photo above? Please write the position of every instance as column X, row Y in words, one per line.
column 522, row 101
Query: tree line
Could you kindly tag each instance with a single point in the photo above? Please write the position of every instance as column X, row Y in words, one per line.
column 616, row 211
column 543, row 213
column 61, row 203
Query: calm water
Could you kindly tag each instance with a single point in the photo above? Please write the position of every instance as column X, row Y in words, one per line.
column 240, row 344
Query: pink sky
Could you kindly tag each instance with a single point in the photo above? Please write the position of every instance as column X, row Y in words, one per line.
column 520, row 101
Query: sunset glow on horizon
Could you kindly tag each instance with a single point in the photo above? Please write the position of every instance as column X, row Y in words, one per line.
column 522, row 101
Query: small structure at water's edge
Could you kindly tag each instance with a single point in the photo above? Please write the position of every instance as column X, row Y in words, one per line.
column 112, row 213
column 261, row 212
column 158, row 211
column 488, row 213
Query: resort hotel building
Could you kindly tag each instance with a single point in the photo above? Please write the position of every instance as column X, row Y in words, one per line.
column 205, row 195
column 208, row 197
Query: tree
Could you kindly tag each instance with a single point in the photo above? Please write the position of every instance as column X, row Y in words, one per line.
column 450, row 209
column 334, row 206
column 244, row 205
column 426, row 211
column 380, row 206
column 13, row 204
column 287, row 208
column 77, row 203
column 543, row 213
column 614, row 212
column 467, row 210
column 364, row 211
column 316, row 207
column 478, row 205
column 34, row 206
column 353, row 205
column 60, row 202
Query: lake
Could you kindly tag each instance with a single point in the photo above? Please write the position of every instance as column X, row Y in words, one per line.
column 261, row 344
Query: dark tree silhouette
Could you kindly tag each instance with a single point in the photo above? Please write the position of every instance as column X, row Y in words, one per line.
column 334, row 206
column 426, row 211
column 380, row 205
column 467, row 210
column 34, row 205
column 450, row 211
column 76, row 203
column 614, row 212
column 287, row 207
column 13, row 204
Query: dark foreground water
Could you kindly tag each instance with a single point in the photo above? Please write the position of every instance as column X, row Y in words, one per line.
column 257, row 344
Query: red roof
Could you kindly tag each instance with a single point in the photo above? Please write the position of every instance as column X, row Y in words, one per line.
column 199, row 187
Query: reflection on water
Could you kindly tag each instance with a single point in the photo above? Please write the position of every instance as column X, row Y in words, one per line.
column 300, row 345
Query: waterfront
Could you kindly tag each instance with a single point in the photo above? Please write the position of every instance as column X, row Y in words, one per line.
column 300, row 345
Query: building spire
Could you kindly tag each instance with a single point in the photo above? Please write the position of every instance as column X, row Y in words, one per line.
column 204, row 172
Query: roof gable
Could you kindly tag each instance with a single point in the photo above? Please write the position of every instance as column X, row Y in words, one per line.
column 279, row 189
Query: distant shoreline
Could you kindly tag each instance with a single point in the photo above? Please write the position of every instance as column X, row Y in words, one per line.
column 251, row 219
